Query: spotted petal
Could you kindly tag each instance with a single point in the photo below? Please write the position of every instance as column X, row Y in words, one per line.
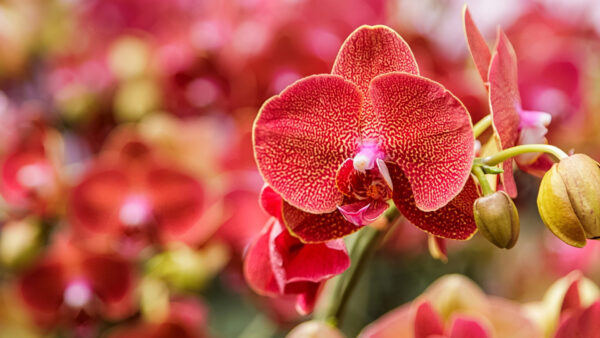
column 454, row 220
column 312, row 228
column 427, row 131
column 370, row 51
column 505, row 103
column 478, row 48
column 302, row 136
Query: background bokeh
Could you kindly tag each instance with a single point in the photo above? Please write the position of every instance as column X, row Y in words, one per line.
column 128, row 185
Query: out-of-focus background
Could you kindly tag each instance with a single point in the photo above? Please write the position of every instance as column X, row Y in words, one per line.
column 127, row 180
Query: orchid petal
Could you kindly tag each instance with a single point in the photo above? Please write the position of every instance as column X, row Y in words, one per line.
column 453, row 221
column 177, row 199
column 112, row 281
column 270, row 201
column 426, row 131
column 257, row 264
column 427, row 321
column 302, row 136
column 464, row 327
column 306, row 301
column 293, row 261
column 42, row 287
column 583, row 324
column 478, row 48
column 505, row 103
column 371, row 51
column 311, row 228
column 96, row 201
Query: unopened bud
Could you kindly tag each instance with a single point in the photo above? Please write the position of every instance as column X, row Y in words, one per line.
column 569, row 199
column 497, row 219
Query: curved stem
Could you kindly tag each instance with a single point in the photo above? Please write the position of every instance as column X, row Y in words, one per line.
column 482, row 125
column 362, row 248
column 483, row 182
column 505, row 154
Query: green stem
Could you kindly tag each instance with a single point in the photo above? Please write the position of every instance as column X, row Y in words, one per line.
column 362, row 248
column 522, row 149
column 483, row 182
column 482, row 125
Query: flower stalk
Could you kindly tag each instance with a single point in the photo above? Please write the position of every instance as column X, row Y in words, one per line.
column 482, row 125
column 362, row 246
column 505, row 154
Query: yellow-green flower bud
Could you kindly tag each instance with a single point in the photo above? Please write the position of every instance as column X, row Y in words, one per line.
column 569, row 199
column 497, row 219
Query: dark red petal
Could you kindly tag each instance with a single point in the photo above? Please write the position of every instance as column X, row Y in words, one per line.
column 177, row 199
column 257, row 263
column 96, row 201
column 303, row 135
column 270, row 201
column 480, row 52
column 463, row 327
column 42, row 287
column 294, row 261
column 370, row 51
column 505, row 103
column 454, row 221
column 315, row 228
column 427, row 321
column 425, row 130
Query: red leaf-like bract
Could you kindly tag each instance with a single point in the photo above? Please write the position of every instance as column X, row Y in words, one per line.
column 454, row 220
column 427, row 131
column 302, row 136
column 478, row 48
column 505, row 103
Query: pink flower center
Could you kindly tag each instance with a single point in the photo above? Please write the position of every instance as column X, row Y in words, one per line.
column 77, row 294
column 135, row 211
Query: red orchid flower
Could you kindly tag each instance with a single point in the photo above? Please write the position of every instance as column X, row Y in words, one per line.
column 338, row 147
column 512, row 124
column 187, row 318
column 277, row 263
column 131, row 196
column 70, row 286
column 454, row 306
column 29, row 178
